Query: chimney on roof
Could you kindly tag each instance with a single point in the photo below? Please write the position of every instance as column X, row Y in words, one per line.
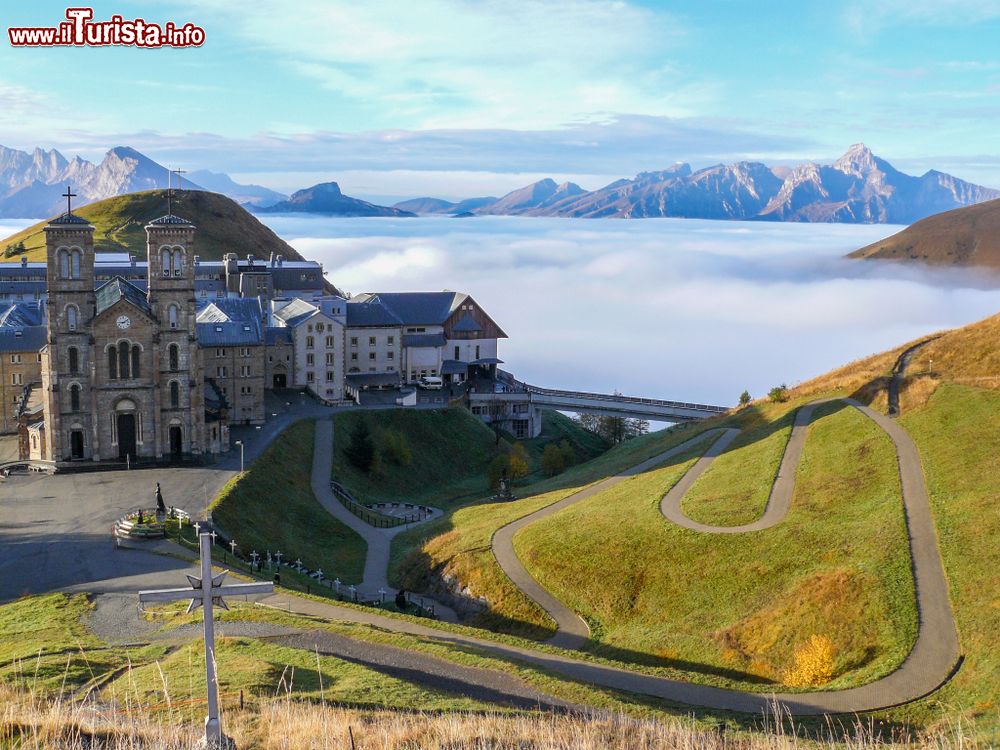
column 197, row 259
column 281, row 260
column 24, row 261
column 131, row 260
column 272, row 260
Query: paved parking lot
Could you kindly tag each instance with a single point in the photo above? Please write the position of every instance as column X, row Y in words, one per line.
column 55, row 531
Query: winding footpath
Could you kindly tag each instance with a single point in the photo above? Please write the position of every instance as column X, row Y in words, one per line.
column 930, row 663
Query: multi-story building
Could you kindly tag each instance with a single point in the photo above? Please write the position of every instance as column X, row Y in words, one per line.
column 317, row 335
column 22, row 336
column 232, row 342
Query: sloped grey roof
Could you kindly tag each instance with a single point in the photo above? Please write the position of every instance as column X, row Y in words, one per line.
column 232, row 333
column 295, row 312
column 170, row 219
column 21, row 315
column 362, row 379
column 466, row 324
column 365, row 314
column 416, row 308
column 453, row 367
column 27, row 339
column 69, row 218
column 230, row 309
column 118, row 288
column 424, row 339
column 275, row 335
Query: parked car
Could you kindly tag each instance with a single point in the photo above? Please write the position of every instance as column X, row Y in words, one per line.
column 431, row 383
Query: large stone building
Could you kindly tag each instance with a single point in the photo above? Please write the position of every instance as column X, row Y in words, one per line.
column 104, row 357
column 121, row 375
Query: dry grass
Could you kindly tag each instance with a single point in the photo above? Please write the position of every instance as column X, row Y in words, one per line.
column 27, row 721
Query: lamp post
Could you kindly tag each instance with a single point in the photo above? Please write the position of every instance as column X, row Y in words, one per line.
column 240, row 443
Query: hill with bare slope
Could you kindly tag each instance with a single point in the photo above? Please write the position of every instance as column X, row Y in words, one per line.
column 967, row 236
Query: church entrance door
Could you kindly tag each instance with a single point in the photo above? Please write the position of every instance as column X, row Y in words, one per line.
column 176, row 442
column 76, row 444
column 126, row 435
column 280, row 380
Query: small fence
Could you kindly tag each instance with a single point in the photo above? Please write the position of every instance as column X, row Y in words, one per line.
column 411, row 513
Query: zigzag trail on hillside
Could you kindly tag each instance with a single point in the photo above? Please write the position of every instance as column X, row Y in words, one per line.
column 935, row 655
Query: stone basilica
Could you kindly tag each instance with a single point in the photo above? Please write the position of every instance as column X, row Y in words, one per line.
column 121, row 372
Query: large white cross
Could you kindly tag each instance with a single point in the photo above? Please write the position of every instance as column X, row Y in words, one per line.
column 210, row 594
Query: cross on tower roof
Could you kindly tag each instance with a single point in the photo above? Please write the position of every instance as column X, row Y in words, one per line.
column 69, row 195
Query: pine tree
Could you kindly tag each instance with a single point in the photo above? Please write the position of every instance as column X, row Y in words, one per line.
column 360, row 449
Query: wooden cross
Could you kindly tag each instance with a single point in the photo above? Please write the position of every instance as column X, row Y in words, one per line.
column 69, row 195
column 177, row 172
column 211, row 592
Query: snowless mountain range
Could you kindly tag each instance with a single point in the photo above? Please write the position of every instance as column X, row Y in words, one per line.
column 859, row 187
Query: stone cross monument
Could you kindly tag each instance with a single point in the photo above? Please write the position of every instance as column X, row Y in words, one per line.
column 205, row 592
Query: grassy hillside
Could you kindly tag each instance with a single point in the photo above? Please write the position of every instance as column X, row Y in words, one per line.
column 967, row 236
column 272, row 507
column 951, row 408
column 223, row 226
column 450, row 451
column 738, row 606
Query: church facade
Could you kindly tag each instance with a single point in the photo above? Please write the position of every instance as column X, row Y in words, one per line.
column 122, row 376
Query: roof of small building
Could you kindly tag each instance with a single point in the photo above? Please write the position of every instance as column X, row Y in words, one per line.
column 33, row 403
column 21, row 314
column 117, row 289
column 295, row 312
column 230, row 309
column 230, row 333
column 170, row 220
column 467, row 324
column 424, row 339
column 415, row 308
column 276, row 335
column 364, row 314
column 454, row 367
column 27, row 339
column 69, row 218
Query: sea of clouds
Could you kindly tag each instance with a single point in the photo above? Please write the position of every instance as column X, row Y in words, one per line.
column 669, row 308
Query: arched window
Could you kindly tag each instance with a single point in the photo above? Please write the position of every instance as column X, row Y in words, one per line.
column 173, row 356
column 172, row 315
column 64, row 264
column 74, row 397
column 178, row 261
column 165, row 261
column 123, row 361
column 136, row 351
column 175, row 394
column 112, row 362
column 74, row 360
column 71, row 317
column 74, row 257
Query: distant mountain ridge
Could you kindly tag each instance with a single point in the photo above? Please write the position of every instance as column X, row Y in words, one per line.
column 31, row 183
column 327, row 199
column 859, row 187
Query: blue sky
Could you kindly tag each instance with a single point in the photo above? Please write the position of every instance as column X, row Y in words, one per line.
column 455, row 98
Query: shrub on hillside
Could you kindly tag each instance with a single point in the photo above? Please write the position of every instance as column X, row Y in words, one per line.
column 517, row 462
column 568, row 453
column 553, row 461
column 745, row 398
column 360, row 450
column 778, row 394
column 497, row 467
column 394, row 448
column 814, row 662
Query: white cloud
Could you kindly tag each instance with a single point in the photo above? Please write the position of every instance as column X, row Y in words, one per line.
column 457, row 64
column 667, row 308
